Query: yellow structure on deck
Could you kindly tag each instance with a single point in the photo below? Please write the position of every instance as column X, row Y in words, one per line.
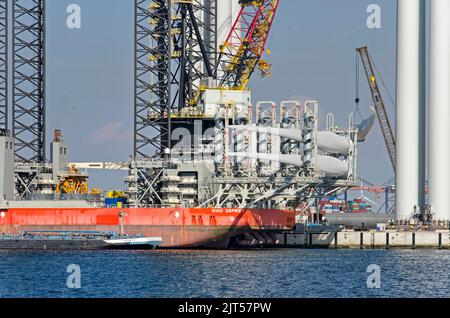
column 73, row 182
column 115, row 194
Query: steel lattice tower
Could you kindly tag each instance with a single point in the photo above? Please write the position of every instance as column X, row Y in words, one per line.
column 4, row 64
column 152, row 69
column 196, row 58
column 29, row 79
column 167, row 42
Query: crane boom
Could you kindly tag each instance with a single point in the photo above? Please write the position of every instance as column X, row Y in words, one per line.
column 382, row 115
column 242, row 51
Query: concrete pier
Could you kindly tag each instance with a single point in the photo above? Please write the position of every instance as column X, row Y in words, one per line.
column 367, row 239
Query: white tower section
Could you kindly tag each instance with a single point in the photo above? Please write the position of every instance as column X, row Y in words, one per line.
column 407, row 109
column 6, row 168
column 227, row 13
column 58, row 155
column 439, row 112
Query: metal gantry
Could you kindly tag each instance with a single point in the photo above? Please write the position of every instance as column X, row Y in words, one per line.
column 4, row 64
column 197, row 48
column 152, row 75
column 175, row 47
column 29, row 80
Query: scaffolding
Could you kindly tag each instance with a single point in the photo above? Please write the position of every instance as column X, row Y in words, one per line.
column 29, row 80
column 175, row 46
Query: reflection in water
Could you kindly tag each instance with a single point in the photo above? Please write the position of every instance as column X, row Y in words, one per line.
column 256, row 273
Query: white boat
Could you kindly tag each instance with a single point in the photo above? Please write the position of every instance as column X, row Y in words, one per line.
column 138, row 242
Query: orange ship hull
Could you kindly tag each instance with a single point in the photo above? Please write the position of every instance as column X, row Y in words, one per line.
column 178, row 227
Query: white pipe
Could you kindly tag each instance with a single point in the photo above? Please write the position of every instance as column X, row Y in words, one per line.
column 327, row 141
column 407, row 109
column 329, row 166
column 439, row 113
column 293, row 160
column 332, row 143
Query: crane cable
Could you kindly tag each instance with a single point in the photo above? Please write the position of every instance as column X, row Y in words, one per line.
column 382, row 81
column 357, row 99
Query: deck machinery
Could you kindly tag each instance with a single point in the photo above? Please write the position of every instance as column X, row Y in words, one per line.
column 199, row 141
column 204, row 147
column 248, row 160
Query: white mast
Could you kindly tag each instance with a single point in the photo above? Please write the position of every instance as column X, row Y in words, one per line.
column 407, row 108
column 439, row 113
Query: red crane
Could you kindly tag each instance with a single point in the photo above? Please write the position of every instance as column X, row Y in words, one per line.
column 242, row 51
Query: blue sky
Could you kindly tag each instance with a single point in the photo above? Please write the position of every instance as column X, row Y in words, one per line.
column 90, row 73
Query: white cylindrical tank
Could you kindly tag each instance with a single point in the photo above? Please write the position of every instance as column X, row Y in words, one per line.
column 407, row 109
column 439, row 112
column 331, row 167
column 332, row 143
column 327, row 141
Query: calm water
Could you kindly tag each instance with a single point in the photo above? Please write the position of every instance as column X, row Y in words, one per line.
column 268, row 273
